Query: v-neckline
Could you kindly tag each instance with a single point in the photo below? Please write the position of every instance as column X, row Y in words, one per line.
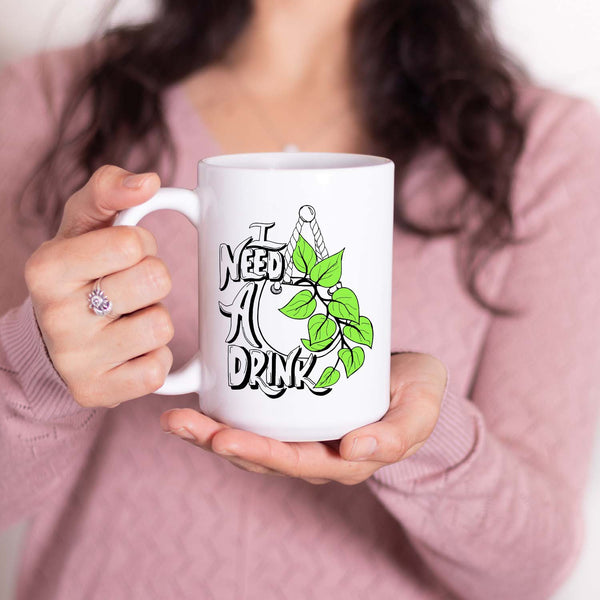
column 190, row 115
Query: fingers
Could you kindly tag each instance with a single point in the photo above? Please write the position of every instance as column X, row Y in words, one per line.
column 104, row 369
column 246, row 465
column 133, row 379
column 133, row 335
column 142, row 285
column 312, row 461
column 60, row 267
column 109, row 190
column 196, row 425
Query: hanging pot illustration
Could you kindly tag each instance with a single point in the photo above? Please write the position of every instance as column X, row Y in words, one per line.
column 322, row 333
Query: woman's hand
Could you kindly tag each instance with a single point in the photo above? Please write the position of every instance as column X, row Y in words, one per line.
column 418, row 382
column 104, row 361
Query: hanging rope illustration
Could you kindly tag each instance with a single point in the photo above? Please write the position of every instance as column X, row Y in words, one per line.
column 306, row 214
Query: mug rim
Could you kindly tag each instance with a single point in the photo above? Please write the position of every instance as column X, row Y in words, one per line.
column 295, row 161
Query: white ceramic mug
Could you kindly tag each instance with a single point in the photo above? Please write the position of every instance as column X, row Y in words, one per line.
column 295, row 264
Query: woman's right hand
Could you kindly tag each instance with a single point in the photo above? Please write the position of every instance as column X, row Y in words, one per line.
column 104, row 361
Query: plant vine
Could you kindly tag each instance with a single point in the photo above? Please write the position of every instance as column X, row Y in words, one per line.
column 340, row 323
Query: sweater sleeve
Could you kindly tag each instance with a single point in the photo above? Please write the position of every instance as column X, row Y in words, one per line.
column 44, row 433
column 492, row 501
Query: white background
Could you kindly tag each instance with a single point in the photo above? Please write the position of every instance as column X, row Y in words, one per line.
column 557, row 40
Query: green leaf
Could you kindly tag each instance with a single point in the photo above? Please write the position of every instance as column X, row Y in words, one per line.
column 301, row 306
column 328, row 378
column 328, row 271
column 353, row 359
column 344, row 305
column 320, row 327
column 361, row 333
column 317, row 346
column 304, row 256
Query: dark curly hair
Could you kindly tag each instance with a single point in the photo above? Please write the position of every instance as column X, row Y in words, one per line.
column 428, row 74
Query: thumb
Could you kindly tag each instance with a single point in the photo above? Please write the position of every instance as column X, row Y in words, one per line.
column 418, row 382
column 400, row 433
column 109, row 190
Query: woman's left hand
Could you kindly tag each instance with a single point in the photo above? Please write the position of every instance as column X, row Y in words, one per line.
column 418, row 382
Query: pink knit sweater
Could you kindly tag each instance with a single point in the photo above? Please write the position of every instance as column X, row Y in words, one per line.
column 488, row 508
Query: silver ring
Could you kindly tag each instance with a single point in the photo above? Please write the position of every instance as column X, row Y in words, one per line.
column 98, row 302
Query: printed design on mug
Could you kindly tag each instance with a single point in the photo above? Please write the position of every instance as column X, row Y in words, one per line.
column 302, row 283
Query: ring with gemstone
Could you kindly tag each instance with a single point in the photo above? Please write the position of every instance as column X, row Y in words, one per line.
column 98, row 302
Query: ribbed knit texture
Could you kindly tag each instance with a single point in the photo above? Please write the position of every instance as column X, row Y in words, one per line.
column 488, row 508
column 46, row 393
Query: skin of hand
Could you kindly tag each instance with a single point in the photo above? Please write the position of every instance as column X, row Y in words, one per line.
column 104, row 361
column 418, row 383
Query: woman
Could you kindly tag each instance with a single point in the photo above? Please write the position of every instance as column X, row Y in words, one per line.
column 469, row 487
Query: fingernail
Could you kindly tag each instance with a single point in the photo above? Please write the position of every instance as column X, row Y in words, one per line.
column 363, row 447
column 184, row 433
column 224, row 452
column 134, row 181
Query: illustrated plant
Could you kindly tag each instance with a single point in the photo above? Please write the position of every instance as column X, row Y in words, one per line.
column 341, row 322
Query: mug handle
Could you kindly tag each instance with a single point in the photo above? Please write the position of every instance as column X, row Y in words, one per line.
column 187, row 202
